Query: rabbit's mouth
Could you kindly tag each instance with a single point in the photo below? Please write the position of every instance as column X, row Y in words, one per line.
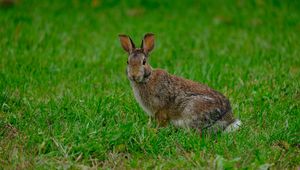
column 136, row 79
column 140, row 79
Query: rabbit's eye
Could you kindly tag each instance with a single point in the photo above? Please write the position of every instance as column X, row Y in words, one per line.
column 144, row 61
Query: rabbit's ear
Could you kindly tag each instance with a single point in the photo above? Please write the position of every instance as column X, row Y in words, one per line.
column 126, row 43
column 148, row 42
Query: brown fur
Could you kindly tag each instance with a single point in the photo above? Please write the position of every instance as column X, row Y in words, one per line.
column 169, row 98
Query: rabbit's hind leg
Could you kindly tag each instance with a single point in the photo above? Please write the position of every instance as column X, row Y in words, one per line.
column 222, row 124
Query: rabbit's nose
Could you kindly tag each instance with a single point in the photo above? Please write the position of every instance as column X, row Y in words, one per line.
column 134, row 77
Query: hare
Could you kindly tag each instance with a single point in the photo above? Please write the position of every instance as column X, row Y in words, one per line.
column 173, row 99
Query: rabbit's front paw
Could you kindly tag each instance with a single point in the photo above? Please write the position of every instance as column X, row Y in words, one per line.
column 162, row 118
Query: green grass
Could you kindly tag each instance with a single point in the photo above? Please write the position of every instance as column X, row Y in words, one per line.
column 65, row 101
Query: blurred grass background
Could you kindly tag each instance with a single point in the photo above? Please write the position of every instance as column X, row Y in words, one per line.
column 66, row 102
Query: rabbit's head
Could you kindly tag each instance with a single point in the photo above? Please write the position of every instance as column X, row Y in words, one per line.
column 138, row 69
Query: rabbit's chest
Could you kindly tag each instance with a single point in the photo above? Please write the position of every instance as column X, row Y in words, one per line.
column 146, row 101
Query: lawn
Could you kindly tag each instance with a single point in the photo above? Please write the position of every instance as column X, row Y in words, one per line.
column 65, row 101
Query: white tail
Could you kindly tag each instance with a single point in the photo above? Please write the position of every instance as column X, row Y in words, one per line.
column 233, row 126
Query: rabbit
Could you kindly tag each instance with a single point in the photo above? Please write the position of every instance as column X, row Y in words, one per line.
column 172, row 99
